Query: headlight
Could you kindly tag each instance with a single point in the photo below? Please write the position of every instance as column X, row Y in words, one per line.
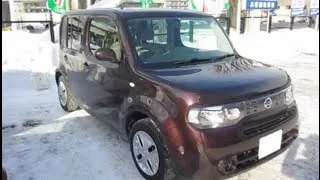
column 216, row 116
column 289, row 95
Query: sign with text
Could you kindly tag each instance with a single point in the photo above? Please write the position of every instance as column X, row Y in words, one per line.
column 314, row 7
column 259, row 4
column 297, row 8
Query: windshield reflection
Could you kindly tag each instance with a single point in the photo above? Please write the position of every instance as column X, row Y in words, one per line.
column 168, row 40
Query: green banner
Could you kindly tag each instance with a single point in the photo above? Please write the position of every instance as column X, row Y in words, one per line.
column 146, row 3
column 193, row 6
column 227, row 5
column 57, row 6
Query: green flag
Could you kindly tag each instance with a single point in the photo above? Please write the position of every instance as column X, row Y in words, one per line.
column 227, row 5
column 146, row 3
column 192, row 5
column 57, row 6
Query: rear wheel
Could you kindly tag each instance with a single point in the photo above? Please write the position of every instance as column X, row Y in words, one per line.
column 149, row 151
column 65, row 97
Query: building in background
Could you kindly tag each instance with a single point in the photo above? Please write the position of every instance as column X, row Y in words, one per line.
column 31, row 10
column 27, row 10
column 124, row 3
column 5, row 13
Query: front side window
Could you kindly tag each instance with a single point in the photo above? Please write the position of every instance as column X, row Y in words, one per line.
column 168, row 40
column 104, row 34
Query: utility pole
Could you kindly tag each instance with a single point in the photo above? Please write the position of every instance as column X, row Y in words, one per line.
column 13, row 16
column 88, row 3
column 269, row 23
column 238, row 17
column 51, row 28
column 68, row 5
column 316, row 27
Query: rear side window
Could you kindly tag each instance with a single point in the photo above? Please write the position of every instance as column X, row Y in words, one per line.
column 194, row 34
column 63, row 33
column 72, row 33
column 160, row 31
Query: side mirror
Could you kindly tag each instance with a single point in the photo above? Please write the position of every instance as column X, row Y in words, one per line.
column 106, row 54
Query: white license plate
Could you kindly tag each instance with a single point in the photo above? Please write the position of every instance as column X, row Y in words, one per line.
column 269, row 144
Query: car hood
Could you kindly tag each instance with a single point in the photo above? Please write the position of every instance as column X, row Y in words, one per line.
column 224, row 81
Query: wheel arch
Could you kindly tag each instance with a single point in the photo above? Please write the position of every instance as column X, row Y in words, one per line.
column 57, row 76
column 60, row 72
column 133, row 115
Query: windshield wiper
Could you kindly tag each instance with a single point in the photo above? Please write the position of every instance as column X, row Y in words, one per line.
column 193, row 60
column 197, row 60
column 223, row 57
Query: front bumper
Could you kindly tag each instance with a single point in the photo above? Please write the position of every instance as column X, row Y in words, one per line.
column 236, row 158
column 228, row 152
column 245, row 158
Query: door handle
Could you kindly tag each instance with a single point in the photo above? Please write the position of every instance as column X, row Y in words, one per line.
column 65, row 57
column 85, row 64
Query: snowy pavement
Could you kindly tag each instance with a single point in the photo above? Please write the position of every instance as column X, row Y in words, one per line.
column 41, row 141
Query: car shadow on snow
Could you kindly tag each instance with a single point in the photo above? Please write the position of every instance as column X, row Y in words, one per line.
column 306, row 165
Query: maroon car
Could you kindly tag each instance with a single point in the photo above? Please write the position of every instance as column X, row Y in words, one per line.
column 172, row 83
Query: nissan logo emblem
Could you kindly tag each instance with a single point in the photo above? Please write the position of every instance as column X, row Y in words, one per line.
column 268, row 103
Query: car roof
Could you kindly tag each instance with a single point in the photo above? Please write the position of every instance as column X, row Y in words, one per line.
column 128, row 13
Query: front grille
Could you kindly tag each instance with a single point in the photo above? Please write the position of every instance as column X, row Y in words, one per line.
column 257, row 105
column 254, row 127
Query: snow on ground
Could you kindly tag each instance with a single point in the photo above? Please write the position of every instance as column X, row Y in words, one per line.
column 298, row 53
column 41, row 141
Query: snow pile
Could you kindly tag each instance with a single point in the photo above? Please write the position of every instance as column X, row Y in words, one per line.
column 36, row 131
column 26, row 51
column 281, row 44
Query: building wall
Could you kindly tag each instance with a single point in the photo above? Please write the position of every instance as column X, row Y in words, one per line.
column 233, row 13
column 287, row 3
column 5, row 12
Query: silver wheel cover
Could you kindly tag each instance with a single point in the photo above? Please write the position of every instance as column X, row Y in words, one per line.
column 62, row 91
column 145, row 153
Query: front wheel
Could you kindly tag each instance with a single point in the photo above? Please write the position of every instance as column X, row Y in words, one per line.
column 149, row 151
column 65, row 97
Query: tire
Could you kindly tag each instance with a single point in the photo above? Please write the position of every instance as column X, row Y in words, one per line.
column 166, row 170
column 69, row 105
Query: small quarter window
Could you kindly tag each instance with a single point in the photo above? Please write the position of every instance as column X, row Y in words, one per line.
column 63, row 33
column 74, row 33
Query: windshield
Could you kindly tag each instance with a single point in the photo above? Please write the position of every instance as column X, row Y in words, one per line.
column 170, row 40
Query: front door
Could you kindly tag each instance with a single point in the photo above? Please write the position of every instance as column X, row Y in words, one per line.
column 106, row 85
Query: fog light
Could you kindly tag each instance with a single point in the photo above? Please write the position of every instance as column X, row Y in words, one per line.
column 181, row 149
column 227, row 166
